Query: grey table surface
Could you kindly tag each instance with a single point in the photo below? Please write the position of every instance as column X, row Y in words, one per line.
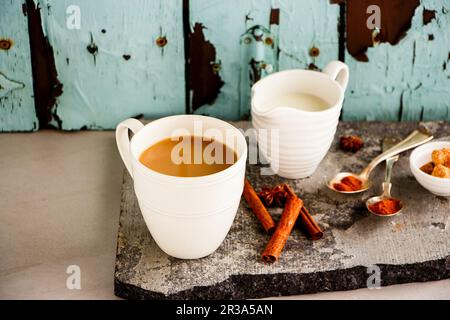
column 59, row 206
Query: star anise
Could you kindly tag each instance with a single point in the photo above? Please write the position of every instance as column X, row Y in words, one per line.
column 351, row 143
column 273, row 196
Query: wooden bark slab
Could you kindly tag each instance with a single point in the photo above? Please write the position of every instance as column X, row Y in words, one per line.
column 411, row 247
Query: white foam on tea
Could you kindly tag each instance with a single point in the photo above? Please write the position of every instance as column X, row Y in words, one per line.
column 297, row 100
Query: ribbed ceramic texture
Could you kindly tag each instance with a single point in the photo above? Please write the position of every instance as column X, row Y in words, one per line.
column 302, row 144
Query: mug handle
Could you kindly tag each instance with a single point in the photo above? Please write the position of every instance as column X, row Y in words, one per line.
column 339, row 72
column 123, row 141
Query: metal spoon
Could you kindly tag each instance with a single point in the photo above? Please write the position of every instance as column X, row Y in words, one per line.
column 415, row 139
column 386, row 190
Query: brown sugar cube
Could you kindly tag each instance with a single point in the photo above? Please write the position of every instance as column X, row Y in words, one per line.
column 439, row 156
column 447, row 157
column 441, row 171
column 428, row 167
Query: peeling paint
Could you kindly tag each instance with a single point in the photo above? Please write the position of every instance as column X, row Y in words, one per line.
column 92, row 49
column 255, row 71
column 187, row 46
column 46, row 85
column 274, row 16
column 17, row 110
column 341, row 27
column 312, row 66
column 260, row 52
column 414, row 70
column 24, row 9
column 204, row 83
column 8, row 85
column 395, row 22
column 398, row 63
column 428, row 16
column 292, row 26
column 99, row 96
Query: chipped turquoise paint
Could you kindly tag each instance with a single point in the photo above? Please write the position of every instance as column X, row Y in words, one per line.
column 408, row 81
column 128, row 74
column 303, row 24
column 259, row 56
column 17, row 112
column 225, row 22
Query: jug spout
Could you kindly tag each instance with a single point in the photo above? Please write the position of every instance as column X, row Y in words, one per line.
column 258, row 107
column 271, row 112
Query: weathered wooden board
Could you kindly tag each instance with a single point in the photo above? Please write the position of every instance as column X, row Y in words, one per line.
column 413, row 246
column 408, row 80
column 112, row 67
column 128, row 59
column 224, row 24
column 17, row 111
column 309, row 36
column 290, row 32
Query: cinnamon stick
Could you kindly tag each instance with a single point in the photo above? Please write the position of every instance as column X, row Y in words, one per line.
column 258, row 207
column 311, row 226
column 306, row 219
column 276, row 244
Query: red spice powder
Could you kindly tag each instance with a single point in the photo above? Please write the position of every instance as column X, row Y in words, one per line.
column 348, row 183
column 386, row 206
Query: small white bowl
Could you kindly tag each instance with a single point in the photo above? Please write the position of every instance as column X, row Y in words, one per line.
column 421, row 156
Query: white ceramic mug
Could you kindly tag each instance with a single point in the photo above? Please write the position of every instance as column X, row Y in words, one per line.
column 188, row 217
column 304, row 137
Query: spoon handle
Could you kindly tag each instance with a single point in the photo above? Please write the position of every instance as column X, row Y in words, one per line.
column 415, row 139
column 389, row 164
column 387, row 180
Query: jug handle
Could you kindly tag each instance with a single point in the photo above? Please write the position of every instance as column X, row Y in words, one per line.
column 339, row 72
column 123, row 141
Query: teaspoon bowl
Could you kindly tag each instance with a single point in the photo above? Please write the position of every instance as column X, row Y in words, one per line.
column 366, row 183
column 374, row 200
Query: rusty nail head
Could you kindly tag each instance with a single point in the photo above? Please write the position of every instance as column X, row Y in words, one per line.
column 161, row 41
column 268, row 68
column 269, row 41
column 376, row 36
column 215, row 67
column 5, row 44
column 314, row 52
